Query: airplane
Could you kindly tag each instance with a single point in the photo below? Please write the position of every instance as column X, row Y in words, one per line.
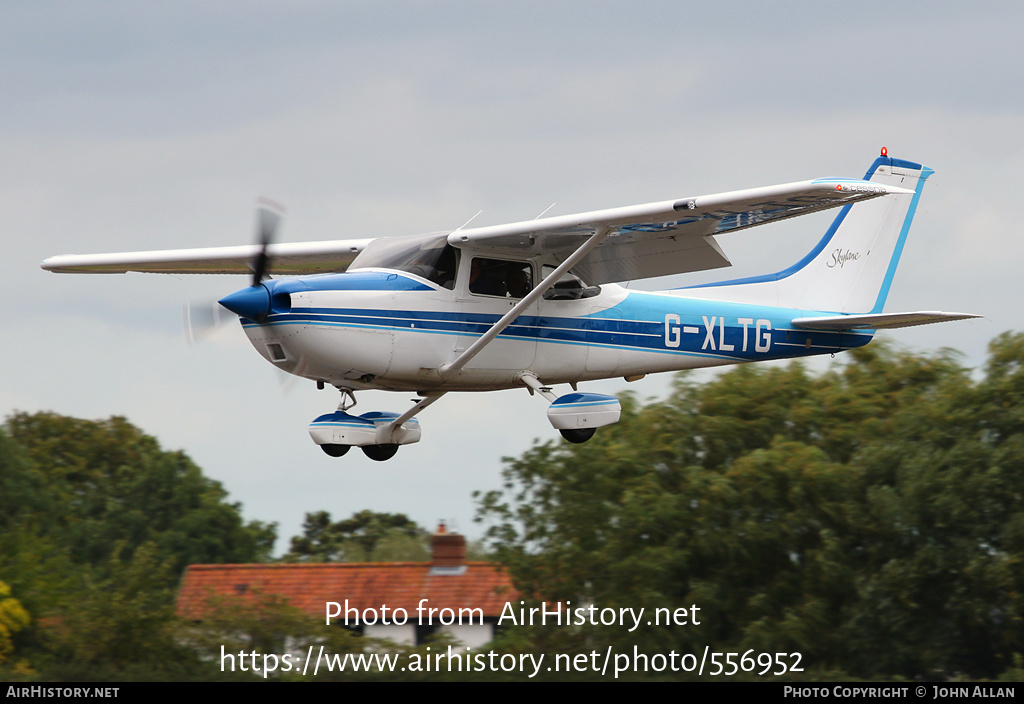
column 535, row 303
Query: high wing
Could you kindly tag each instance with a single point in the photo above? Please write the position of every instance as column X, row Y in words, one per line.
column 654, row 239
column 667, row 237
column 293, row 258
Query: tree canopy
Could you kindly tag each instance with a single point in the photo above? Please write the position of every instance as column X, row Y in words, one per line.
column 97, row 523
column 869, row 517
column 368, row 536
column 91, row 485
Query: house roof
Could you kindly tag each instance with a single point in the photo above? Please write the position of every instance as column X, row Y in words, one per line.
column 480, row 585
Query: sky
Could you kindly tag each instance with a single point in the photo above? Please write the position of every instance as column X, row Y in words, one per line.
column 132, row 126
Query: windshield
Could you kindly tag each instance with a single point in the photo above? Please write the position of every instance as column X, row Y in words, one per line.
column 427, row 256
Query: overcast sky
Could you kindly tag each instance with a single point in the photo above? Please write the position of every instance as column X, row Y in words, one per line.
column 131, row 126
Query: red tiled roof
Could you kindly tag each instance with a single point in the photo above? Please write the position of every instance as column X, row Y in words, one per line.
column 483, row 586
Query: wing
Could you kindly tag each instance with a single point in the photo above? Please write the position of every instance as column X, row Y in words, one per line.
column 292, row 258
column 667, row 237
column 648, row 240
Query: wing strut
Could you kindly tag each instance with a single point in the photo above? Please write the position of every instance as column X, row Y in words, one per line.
column 386, row 434
column 602, row 231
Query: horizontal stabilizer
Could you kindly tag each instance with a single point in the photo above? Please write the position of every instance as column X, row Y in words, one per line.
column 878, row 321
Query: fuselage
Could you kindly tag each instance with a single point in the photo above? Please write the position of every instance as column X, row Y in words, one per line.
column 388, row 329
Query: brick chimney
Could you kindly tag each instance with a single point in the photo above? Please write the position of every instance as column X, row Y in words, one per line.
column 448, row 551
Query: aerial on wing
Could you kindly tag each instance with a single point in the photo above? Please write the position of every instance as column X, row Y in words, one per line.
column 534, row 303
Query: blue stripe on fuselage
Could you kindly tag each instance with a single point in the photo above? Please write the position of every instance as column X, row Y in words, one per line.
column 641, row 322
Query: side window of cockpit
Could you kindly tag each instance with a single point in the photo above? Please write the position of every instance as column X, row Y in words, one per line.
column 568, row 288
column 499, row 277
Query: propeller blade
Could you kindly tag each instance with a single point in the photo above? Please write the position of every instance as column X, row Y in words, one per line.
column 289, row 380
column 268, row 217
column 203, row 317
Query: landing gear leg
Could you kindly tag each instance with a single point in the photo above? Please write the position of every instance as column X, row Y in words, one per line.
column 348, row 399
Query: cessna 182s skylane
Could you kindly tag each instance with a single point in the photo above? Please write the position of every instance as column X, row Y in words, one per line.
column 532, row 304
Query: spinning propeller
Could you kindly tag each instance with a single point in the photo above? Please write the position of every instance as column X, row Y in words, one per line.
column 203, row 317
column 268, row 217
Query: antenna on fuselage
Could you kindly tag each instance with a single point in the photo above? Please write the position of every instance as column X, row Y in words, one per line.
column 544, row 211
column 467, row 222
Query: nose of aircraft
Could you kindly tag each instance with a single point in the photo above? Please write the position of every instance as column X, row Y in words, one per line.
column 252, row 303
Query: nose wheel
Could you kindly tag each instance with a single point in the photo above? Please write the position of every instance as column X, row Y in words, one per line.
column 378, row 453
column 378, row 433
column 335, row 450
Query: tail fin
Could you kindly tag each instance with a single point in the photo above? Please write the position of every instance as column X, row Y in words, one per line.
column 851, row 268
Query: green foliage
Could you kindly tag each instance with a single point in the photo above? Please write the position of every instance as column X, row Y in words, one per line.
column 91, row 485
column 122, row 625
column 96, row 524
column 365, row 537
column 13, row 618
column 267, row 625
column 869, row 517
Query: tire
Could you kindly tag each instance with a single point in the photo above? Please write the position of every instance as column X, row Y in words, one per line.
column 578, row 435
column 380, row 453
column 335, row 450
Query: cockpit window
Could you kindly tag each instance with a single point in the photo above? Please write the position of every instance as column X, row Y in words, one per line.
column 426, row 256
column 500, row 277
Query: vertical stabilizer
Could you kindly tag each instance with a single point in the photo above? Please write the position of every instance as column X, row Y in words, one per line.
column 851, row 268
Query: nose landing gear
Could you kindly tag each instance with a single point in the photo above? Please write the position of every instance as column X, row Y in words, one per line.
column 378, row 433
column 335, row 450
column 380, row 453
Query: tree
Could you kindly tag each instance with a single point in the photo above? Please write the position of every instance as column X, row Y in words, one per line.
column 96, row 525
column 367, row 536
column 107, row 483
column 13, row 618
column 869, row 517
column 268, row 625
column 122, row 626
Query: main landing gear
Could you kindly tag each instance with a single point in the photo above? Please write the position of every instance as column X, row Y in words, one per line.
column 577, row 435
column 575, row 415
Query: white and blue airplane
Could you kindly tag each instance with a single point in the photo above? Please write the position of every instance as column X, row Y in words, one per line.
column 533, row 304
